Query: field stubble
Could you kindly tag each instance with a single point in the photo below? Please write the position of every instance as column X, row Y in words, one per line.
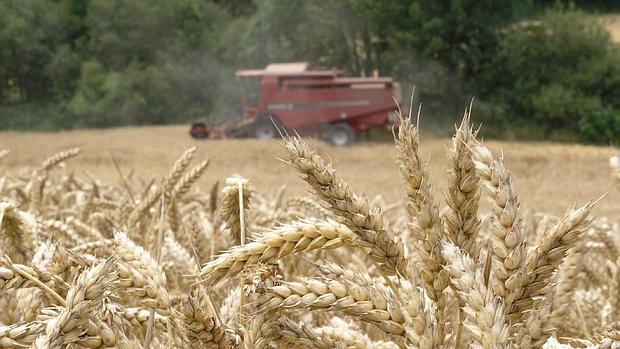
column 549, row 177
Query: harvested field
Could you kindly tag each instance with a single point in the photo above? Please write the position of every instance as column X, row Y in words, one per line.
column 612, row 23
column 549, row 177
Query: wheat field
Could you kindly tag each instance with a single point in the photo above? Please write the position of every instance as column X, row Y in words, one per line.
column 122, row 239
column 550, row 177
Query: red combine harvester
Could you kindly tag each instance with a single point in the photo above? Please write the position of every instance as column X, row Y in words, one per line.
column 293, row 98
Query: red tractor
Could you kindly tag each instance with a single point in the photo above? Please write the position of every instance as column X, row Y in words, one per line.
column 293, row 98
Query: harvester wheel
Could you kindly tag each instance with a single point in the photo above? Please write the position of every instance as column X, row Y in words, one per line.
column 265, row 130
column 341, row 134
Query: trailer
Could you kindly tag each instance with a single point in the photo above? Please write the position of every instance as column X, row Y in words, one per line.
column 291, row 97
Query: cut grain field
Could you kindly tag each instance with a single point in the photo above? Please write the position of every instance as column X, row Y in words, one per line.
column 612, row 23
column 549, row 177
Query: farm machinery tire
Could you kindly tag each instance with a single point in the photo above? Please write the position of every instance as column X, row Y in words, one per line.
column 341, row 134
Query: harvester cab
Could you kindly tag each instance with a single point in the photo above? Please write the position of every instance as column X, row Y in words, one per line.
column 293, row 97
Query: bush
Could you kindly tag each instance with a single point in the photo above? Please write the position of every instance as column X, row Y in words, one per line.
column 35, row 116
column 603, row 127
column 105, row 98
column 558, row 106
column 557, row 72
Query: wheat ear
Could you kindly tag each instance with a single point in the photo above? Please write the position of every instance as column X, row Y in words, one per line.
column 508, row 237
column 188, row 180
column 142, row 270
column 36, row 186
column 423, row 213
column 421, row 325
column 276, row 244
column 201, row 326
column 371, row 303
column 463, row 196
column 18, row 232
column 367, row 222
column 425, row 229
column 178, row 169
column 543, row 262
column 484, row 312
column 90, row 286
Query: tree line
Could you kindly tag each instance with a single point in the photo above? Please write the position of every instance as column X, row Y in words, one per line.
column 539, row 69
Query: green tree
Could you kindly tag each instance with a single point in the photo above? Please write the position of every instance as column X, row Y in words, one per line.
column 33, row 36
column 150, row 62
column 555, row 72
column 132, row 96
column 355, row 34
column 463, row 34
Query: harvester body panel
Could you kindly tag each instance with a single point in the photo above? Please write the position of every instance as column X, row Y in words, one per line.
column 303, row 99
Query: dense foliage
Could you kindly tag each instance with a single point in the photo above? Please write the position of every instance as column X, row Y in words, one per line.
column 538, row 68
column 559, row 76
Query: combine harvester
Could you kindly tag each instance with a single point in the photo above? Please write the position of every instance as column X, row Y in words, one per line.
column 293, row 98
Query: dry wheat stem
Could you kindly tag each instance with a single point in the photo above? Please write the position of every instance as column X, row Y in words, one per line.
column 235, row 201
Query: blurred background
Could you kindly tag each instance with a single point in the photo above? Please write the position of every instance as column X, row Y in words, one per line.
column 546, row 70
